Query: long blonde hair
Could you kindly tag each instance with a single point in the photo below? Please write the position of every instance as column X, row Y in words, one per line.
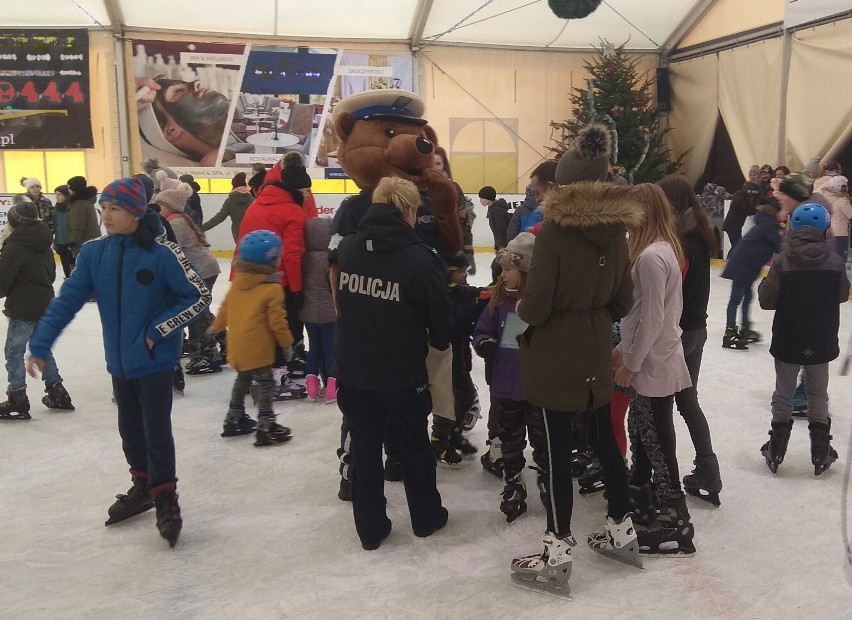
column 659, row 223
column 499, row 292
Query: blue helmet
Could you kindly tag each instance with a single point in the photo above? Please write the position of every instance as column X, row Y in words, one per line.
column 261, row 247
column 813, row 215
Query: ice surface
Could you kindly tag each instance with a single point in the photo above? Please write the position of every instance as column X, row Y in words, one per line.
column 266, row 537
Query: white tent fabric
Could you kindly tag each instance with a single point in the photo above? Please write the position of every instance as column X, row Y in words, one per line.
column 642, row 25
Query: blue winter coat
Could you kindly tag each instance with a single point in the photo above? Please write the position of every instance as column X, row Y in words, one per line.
column 62, row 226
column 153, row 293
column 755, row 249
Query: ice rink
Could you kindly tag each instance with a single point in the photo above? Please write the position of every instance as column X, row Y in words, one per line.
column 265, row 535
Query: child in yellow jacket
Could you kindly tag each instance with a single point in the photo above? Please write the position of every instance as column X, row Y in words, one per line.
column 253, row 313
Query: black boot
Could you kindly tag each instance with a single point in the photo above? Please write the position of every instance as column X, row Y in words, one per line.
column 749, row 335
column 17, row 407
column 733, row 339
column 136, row 501
column 57, row 397
column 393, row 470
column 178, row 381
column 238, row 422
column 822, row 454
column 169, row 521
column 514, row 503
column 671, row 532
column 775, row 449
column 643, row 502
column 345, row 491
column 592, row 479
column 705, row 477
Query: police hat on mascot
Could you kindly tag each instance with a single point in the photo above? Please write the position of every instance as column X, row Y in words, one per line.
column 398, row 105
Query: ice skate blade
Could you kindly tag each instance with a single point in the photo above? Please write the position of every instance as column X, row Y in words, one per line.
column 262, row 443
column 236, row 433
column 629, row 556
column 17, row 416
column 114, row 520
column 712, row 498
column 543, row 587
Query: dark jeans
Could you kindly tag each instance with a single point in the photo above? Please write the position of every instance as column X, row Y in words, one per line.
column 293, row 320
column 405, row 414
column 264, row 386
column 145, row 425
column 841, row 246
column 519, row 419
column 63, row 250
column 740, row 294
column 320, row 349
column 687, row 400
column 559, row 428
column 734, row 237
column 652, row 440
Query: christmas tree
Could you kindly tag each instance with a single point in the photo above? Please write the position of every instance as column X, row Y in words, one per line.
column 619, row 97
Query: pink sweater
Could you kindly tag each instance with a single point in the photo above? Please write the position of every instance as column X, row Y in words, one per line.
column 650, row 332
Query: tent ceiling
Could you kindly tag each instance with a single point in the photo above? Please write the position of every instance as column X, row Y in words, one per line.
column 516, row 23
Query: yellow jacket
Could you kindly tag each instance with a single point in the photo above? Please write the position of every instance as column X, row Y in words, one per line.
column 253, row 312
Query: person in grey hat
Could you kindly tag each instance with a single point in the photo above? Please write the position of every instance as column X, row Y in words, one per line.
column 27, row 271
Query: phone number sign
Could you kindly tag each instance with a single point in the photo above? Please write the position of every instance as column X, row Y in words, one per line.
column 44, row 90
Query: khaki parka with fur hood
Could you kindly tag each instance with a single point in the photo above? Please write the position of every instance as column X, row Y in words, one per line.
column 578, row 284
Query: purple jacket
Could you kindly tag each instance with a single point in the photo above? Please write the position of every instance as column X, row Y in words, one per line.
column 506, row 381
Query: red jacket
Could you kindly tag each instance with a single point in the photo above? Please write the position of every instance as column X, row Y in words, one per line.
column 274, row 209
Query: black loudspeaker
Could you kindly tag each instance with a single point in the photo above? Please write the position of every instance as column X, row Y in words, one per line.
column 664, row 90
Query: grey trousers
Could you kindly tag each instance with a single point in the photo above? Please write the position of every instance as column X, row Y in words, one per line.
column 687, row 400
column 816, row 386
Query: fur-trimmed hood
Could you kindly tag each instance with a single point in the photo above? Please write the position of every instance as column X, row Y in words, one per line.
column 592, row 207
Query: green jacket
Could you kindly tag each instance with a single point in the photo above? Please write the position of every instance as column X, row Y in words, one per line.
column 27, row 270
column 84, row 222
column 235, row 207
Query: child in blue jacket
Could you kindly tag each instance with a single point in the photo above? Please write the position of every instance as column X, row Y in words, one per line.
column 146, row 293
column 743, row 267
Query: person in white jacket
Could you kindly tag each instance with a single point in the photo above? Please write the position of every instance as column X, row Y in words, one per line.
column 649, row 360
column 835, row 190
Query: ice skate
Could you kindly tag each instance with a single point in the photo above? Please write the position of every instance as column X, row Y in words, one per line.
column 344, row 493
column 242, row 425
column 580, row 460
column 643, row 500
column 178, row 381
column 492, row 460
column 750, row 336
column 393, row 470
column 330, row 391
column 592, row 480
column 473, row 414
column 619, row 541
column 285, row 388
column 296, row 367
column 269, row 432
column 445, row 454
column 671, row 533
column 203, row 366
column 514, row 504
column 547, row 572
column 704, row 482
column 461, row 444
column 800, row 402
column 57, row 397
column 822, row 454
column 16, row 407
column 775, row 449
column 169, row 521
column 136, row 501
column 734, row 340
column 312, row 386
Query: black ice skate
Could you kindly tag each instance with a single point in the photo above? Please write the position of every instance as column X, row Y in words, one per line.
column 169, row 521
column 592, row 480
column 514, row 504
column 580, row 460
column 16, row 407
column 492, row 460
column 244, row 425
column 546, row 572
column 704, row 482
column 461, row 444
column 57, row 397
column 178, row 381
column 643, row 501
column 445, row 454
column 270, row 433
column 393, row 470
column 775, row 449
column 473, row 414
column 136, row 501
column 345, row 492
column 203, row 366
column 619, row 541
column 749, row 335
column 671, row 533
column 734, row 340
column 822, row 454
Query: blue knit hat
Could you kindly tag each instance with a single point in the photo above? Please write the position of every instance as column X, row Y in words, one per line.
column 128, row 194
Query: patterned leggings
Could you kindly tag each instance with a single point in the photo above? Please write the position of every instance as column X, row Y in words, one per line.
column 652, row 442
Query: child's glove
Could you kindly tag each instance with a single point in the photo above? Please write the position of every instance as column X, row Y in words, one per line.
column 487, row 350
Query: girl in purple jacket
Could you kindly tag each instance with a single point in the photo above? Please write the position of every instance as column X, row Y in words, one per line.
column 496, row 340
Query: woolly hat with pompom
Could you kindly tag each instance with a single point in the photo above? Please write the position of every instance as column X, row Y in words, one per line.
column 23, row 211
column 174, row 199
column 518, row 253
column 30, row 182
column 588, row 160
column 164, row 181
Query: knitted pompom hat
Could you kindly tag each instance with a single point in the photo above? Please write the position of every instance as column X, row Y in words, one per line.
column 174, row 199
column 588, row 160
column 518, row 253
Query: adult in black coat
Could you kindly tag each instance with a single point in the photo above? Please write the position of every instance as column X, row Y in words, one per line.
column 743, row 205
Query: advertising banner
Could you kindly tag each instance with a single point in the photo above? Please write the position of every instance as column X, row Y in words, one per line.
column 212, row 109
column 44, row 90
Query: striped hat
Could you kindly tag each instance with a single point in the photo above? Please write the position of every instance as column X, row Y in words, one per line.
column 128, row 194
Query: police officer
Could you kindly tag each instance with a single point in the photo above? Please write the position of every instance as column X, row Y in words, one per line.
column 391, row 304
